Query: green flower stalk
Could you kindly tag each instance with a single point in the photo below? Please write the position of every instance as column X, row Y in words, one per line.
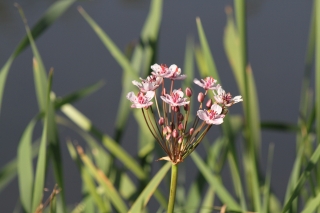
column 177, row 138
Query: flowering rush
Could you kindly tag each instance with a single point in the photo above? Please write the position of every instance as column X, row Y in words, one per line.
column 171, row 129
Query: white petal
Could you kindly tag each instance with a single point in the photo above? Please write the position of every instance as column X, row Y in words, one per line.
column 202, row 115
column 131, row 96
column 216, row 108
column 149, row 95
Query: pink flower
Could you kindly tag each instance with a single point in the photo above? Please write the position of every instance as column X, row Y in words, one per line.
column 176, row 99
column 173, row 72
column 212, row 116
column 151, row 83
column 226, row 98
column 141, row 101
column 207, row 83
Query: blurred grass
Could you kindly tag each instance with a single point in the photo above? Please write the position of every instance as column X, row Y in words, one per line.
column 113, row 180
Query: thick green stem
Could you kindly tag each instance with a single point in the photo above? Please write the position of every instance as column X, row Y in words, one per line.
column 173, row 187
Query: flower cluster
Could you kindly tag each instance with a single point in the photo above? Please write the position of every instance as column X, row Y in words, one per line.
column 171, row 129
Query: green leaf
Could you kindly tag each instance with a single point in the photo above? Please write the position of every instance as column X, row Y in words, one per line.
column 215, row 183
column 317, row 69
column 25, row 168
column 49, row 17
column 310, row 166
column 84, row 123
column 109, row 190
column 266, row 191
column 208, row 59
column 9, row 171
column 312, row 205
column 87, row 179
column 41, row 163
column 148, row 191
column 77, row 95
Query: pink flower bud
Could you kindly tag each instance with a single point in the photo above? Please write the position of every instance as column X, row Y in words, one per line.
column 180, row 127
column 188, row 92
column 175, row 108
column 180, row 140
column 186, row 107
column 164, row 131
column 200, row 97
column 180, row 117
column 191, row 131
column 209, row 104
column 169, row 129
column 161, row 121
column 175, row 133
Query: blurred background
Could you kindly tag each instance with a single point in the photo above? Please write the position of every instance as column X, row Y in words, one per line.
column 277, row 41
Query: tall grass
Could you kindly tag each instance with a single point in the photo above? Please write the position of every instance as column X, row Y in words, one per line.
column 110, row 187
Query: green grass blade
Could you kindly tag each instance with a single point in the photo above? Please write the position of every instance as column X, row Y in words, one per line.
column 146, row 194
column 40, row 77
column 126, row 187
column 317, row 69
column 312, row 205
column 304, row 176
column 49, row 17
column 25, row 167
column 266, row 192
column 188, row 66
column 9, row 171
column 41, row 163
column 208, row 202
column 87, row 179
column 110, row 190
column 129, row 73
column 215, row 183
column 210, row 64
column 85, row 124
column 77, row 95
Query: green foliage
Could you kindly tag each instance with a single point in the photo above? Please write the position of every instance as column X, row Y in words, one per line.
column 129, row 185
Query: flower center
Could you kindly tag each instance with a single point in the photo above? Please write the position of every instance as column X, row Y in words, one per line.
column 212, row 114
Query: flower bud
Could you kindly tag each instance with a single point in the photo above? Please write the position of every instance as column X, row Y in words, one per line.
column 180, row 140
column 180, row 117
column 188, row 92
column 161, row 121
column 191, row 131
column 180, row 127
column 175, row 133
column 164, row 131
column 209, row 104
column 186, row 107
column 175, row 108
column 200, row 97
column 169, row 130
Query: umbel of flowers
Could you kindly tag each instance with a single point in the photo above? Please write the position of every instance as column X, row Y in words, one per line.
column 170, row 128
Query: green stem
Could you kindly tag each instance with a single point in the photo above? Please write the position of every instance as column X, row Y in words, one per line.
column 173, row 187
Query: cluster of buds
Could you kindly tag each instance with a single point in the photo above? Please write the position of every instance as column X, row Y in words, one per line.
column 171, row 129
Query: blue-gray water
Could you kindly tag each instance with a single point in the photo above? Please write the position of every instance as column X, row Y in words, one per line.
column 277, row 40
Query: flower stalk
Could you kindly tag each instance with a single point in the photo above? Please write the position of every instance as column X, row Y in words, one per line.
column 173, row 187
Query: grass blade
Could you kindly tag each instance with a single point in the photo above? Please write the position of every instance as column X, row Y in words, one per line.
column 41, row 163
column 25, row 168
column 85, row 124
column 317, row 69
column 215, row 183
column 304, row 176
column 144, row 197
column 77, row 95
column 86, row 178
column 49, row 17
column 312, row 205
column 110, row 190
